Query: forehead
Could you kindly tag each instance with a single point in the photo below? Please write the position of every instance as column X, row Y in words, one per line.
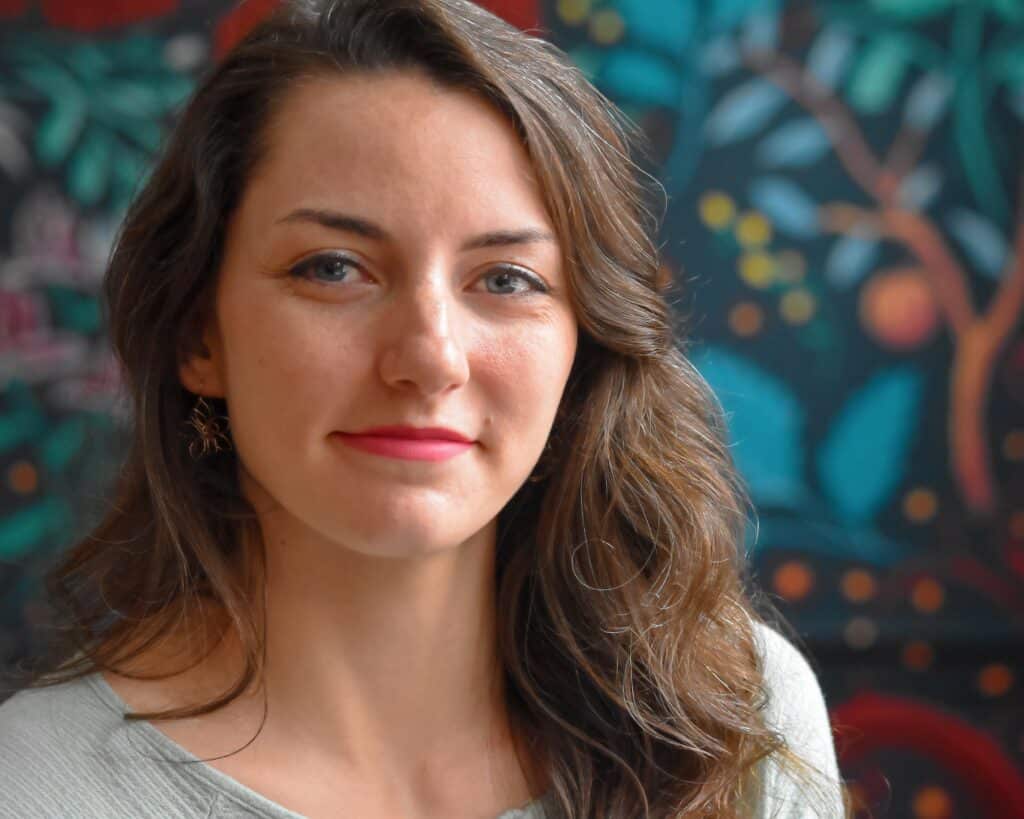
column 401, row 145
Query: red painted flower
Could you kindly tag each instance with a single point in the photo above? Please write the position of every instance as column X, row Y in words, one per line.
column 522, row 13
column 101, row 14
column 12, row 8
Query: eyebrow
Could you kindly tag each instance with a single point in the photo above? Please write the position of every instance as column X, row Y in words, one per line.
column 368, row 230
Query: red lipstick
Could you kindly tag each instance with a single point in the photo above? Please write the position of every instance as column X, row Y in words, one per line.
column 408, row 443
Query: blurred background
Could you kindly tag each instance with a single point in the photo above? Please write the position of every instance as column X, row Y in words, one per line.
column 846, row 234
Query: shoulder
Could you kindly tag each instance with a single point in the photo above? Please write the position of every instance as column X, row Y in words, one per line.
column 797, row 710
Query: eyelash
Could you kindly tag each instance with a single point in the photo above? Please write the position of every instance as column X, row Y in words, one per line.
column 300, row 270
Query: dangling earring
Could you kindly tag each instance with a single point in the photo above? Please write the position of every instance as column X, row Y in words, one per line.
column 210, row 435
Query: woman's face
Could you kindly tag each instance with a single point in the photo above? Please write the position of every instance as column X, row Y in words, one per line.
column 391, row 263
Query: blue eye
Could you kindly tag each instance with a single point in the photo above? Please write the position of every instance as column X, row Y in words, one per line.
column 324, row 268
column 506, row 274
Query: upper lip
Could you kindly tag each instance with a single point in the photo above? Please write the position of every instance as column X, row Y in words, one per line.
column 415, row 433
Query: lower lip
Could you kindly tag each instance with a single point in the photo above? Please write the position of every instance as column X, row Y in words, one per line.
column 410, row 449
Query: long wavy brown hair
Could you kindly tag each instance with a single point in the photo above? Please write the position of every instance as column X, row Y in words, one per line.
column 626, row 611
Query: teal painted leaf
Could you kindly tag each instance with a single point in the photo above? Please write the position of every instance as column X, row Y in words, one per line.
column 984, row 244
column 829, row 57
column 743, row 111
column 725, row 15
column 63, row 443
column 27, row 528
column 878, row 75
column 765, row 421
column 1007, row 64
column 1012, row 11
column 790, row 209
column 89, row 168
column 912, row 9
column 667, row 26
column 719, row 57
column 640, row 77
column 850, row 259
column 825, row 539
column 74, row 310
column 864, row 456
column 798, row 143
column 58, row 132
column 20, row 426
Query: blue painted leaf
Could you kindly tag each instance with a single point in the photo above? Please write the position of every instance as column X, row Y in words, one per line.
column 131, row 99
column 27, row 528
column 912, row 9
column 640, row 77
column 985, row 245
column 89, row 168
column 719, row 57
column 765, row 422
column 1007, row 64
column 824, row 539
column 864, row 456
column 664, row 25
column 829, row 57
column 725, row 15
column 878, row 75
column 743, row 111
column 790, row 209
column 927, row 100
column 919, row 188
column 797, row 143
column 761, row 30
column 850, row 258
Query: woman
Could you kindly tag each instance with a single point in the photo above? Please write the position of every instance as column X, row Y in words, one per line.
column 425, row 514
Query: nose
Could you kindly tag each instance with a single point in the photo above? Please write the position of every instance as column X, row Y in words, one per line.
column 423, row 350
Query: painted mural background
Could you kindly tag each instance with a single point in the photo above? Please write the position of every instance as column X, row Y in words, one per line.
column 846, row 232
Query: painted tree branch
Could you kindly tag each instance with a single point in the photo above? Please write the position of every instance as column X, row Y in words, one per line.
column 979, row 338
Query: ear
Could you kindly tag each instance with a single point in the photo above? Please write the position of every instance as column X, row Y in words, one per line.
column 201, row 362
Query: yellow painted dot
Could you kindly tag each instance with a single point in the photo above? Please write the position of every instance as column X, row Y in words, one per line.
column 746, row 319
column 858, row 585
column 917, row 655
column 797, row 306
column 1017, row 525
column 860, row 632
column 717, row 209
column 932, row 802
column 1013, row 445
column 23, row 477
column 927, row 595
column 757, row 269
column 753, row 230
column 920, row 505
column 573, row 12
column 607, row 27
column 793, row 580
column 790, row 266
column 995, row 679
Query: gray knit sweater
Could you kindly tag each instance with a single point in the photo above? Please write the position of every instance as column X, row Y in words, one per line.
column 65, row 753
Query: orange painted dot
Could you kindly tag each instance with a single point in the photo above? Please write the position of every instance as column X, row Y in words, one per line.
column 932, row 802
column 746, row 319
column 790, row 266
column 607, row 27
column 23, row 477
column 757, row 269
column 917, row 655
column 995, row 679
column 797, row 306
column 1013, row 445
column 717, row 210
column 927, row 595
column 920, row 505
column 1017, row 525
column 753, row 230
column 860, row 632
column 793, row 580
column 858, row 585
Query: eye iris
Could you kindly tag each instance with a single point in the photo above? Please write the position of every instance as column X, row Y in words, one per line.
column 333, row 268
column 504, row 278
